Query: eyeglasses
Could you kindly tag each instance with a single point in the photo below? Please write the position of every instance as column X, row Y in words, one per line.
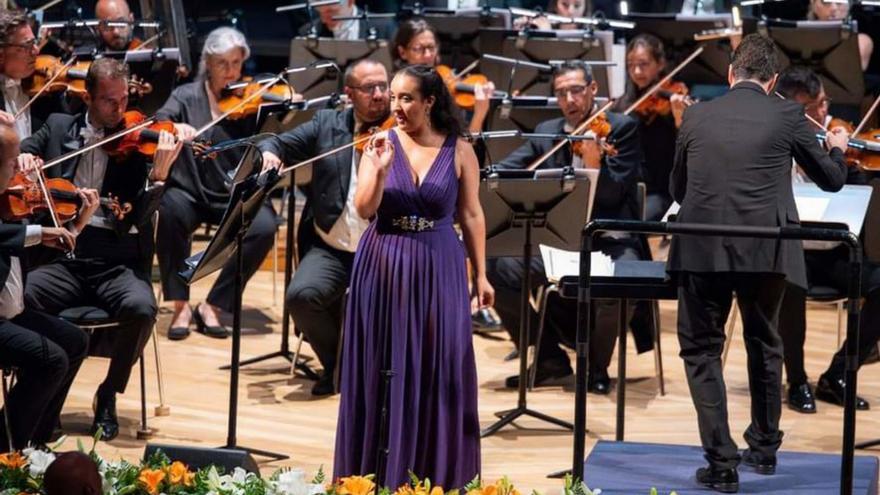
column 823, row 103
column 576, row 91
column 371, row 88
column 423, row 49
column 26, row 45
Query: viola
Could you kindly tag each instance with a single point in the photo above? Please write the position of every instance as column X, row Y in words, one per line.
column 24, row 198
column 462, row 89
column 360, row 139
column 658, row 103
column 144, row 141
column 238, row 93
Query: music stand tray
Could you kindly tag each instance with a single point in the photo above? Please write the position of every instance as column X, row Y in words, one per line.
column 521, row 207
column 312, row 84
column 523, row 118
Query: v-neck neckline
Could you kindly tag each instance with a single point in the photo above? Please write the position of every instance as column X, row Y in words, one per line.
column 410, row 171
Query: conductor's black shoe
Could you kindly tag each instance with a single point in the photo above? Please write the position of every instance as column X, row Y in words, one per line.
column 324, row 386
column 833, row 390
column 483, row 320
column 759, row 463
column 800, row 399
column 599, row 382
column 720, row 480
column 217, row 332
column 105, row 416
column 548, row 374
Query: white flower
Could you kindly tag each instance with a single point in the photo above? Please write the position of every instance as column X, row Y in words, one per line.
column 38, row 461
column 293, row 482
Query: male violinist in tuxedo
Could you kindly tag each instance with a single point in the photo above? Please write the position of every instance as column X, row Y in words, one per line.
column 733, row 167
column 330, row 227
column 46, row 351
column 112, row 260
column 575, row 89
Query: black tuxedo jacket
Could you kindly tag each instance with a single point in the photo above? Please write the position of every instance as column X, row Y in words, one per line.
column 11, row 244
column 733, row 167
column 328, row 190
column 618, row 175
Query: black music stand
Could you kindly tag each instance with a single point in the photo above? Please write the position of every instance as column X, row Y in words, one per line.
column 830, row 48
column 542, row 47
column 516, row 114
column 677, row 33
column 304, row 51
column 522, row 207
column 246, row 199
column 159, row 69
column 459, row 33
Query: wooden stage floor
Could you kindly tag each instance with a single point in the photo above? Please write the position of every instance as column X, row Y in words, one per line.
column 277, row 413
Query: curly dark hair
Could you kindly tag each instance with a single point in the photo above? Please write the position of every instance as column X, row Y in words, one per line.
column 10, row 21
column 408, row 30
column 755, row 58
column 444, row 114
column 797, row 80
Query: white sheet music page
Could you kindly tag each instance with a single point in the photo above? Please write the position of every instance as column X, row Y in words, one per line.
column 811, row 209
column 560, row 263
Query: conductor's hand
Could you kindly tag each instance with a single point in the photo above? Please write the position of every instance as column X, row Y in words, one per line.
column 270, row 162
column 837, row 138
column 379, row 153
column 58, row 238
column 485, row 292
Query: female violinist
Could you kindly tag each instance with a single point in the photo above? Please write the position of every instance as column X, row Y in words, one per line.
column 659, row 117
column 416, row 43
column 198, row 191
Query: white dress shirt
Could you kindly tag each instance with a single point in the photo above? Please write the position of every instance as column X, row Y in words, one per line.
column 12, row 294
column 15, row 98
column 347, row 30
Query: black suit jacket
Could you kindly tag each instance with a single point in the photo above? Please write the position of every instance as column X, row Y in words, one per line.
column 618, row 175
column 328, row 190
column 733, row 167
column 11, row 244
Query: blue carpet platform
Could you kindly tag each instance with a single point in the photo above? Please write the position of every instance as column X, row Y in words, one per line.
column 633, row 468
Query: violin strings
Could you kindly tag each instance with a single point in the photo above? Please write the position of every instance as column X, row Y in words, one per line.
column 52, row 79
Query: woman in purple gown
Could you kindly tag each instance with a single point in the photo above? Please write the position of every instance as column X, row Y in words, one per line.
column 409, row 284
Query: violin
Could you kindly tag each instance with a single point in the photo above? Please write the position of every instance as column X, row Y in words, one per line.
column 24, row 198
column 51, row 75
column 145, row 141
column 238, row 93
column 360, row 139
column 462, row 89
column 862, row 149
column 658, row 104
column 601, row 128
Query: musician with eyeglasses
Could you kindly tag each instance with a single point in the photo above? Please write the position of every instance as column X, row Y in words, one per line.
column 348, row 29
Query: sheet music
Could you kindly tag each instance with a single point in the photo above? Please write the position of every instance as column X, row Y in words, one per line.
column 560, row 263
column 811, row 209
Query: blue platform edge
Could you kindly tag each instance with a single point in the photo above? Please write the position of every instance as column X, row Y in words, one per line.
column 632, row 468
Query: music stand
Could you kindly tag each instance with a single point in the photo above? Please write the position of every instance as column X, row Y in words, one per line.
column 521, row 207
column 677, row 33
column 542, row 47
column 519, row 114
column 830, row 48
column 459, row 33
column 312, row 84
column 245, row 200
column 157, row 67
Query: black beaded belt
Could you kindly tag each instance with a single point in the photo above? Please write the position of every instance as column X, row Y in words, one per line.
column 414, row 223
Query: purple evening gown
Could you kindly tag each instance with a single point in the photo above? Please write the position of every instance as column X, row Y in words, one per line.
column 409, row 279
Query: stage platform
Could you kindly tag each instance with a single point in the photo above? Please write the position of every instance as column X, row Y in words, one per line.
column 628, row 467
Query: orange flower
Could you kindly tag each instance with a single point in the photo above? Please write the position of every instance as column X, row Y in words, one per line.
column 355, row 485
column 483, row 490
column 436, row 491
column 179, row 474
column 150, row 479
column 13, row 460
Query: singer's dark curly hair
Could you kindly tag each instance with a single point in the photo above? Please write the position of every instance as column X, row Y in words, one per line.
column 444, row 114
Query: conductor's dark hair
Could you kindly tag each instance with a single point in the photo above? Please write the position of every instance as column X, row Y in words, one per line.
column 104, row 68
column 406, row 31
column 755, row 58
column 444, row 114
column 799, row 80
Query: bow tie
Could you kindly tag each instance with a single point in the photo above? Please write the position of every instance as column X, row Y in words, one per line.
column 8, row 82
column 91, row 135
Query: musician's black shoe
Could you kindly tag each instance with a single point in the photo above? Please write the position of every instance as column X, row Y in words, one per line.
column 484, row 321
column 549, row 373
column 324, row 386
column 833, row 389
column 720, row 480
column 759, row 463
column 599, row 382
column 105, row 415
column 218, row 332
column 800, row 399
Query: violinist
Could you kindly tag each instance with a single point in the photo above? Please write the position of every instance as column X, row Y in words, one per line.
column 826, row 267
column 821, row 10
column 198, row 190
column 330, row 228
column 46, row 350
column 112, row 259
column 114, row 38
column 416, row 43
column 659, row 117
column 575, row 88
column 349, row 29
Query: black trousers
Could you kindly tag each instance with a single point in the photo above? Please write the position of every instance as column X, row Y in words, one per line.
column 828, row 268
column 47, row 353
column 704, row 301
column 315, row 298
column 123, row 292
column 179, row 216
column 506, row 274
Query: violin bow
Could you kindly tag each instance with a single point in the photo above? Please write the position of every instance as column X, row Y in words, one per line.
column 52, row 79
column 324, row 155
column 50, row 204
column 580, row 130
column 663, row 81
column 112, row 137
column 811, row 119
column 466, row 70
column 150, row 40
column 256, row 94
column 868, row 114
